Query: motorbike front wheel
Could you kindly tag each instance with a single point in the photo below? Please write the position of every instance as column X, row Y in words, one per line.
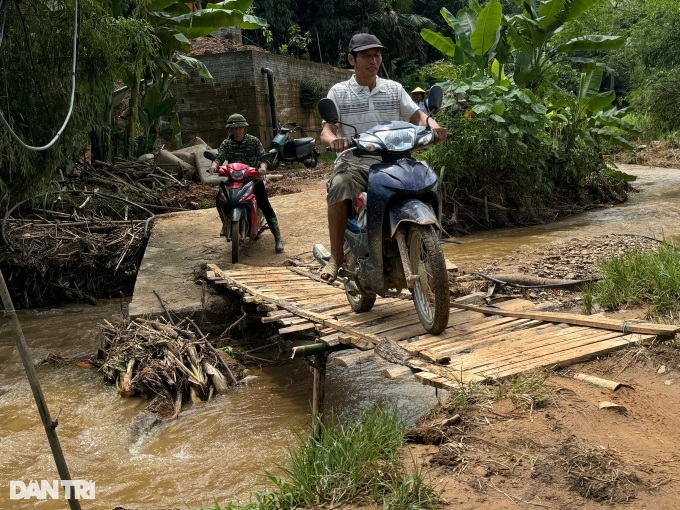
column 235, row 241
column 358, row 301
column 431, row 290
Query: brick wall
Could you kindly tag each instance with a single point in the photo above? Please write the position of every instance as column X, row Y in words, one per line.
column 241, row 87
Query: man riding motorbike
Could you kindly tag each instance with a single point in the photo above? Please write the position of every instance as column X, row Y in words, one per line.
column 363, row 101
column 240, row 147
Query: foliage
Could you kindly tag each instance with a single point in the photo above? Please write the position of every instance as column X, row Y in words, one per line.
column 311, row 91
column 528, row 132
column 644, row 72
column 36, row 65
column 358, row 463
column 638, row 278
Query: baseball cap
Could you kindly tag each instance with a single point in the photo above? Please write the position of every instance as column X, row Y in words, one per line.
column 361, row 42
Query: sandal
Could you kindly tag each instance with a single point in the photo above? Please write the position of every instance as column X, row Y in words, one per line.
column 329, row 273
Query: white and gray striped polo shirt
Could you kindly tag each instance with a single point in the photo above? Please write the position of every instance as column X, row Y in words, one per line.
column 364, row 108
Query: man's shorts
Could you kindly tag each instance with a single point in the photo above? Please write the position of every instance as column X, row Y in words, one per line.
column 347, row 182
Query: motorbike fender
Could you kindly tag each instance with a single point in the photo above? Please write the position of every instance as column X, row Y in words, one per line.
column 236, row 213
column 412, row 211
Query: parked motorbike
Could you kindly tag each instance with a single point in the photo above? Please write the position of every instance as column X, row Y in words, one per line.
column 242, row 221
column 291, row 143
column 392, row 236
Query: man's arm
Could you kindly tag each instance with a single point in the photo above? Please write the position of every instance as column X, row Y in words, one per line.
column 262, row 165
column 220, row 158
column 329, row 136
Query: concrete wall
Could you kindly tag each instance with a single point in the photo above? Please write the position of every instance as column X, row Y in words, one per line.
column 241, row 87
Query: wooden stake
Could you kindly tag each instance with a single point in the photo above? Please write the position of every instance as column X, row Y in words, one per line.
column 319, row 395
column 50, row 426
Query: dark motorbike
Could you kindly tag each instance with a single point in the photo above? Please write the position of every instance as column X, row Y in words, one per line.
column 291, row 143
column 392, row 239
column 242, row 221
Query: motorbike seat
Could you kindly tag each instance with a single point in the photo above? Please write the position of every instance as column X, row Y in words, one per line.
column 303, row 141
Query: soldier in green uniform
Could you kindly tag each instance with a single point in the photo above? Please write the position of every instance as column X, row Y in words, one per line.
column 240, row 147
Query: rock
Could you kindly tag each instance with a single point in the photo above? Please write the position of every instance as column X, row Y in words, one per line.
column 662, row 370
column 145, row 158
column 174, row 165
column 668, row 382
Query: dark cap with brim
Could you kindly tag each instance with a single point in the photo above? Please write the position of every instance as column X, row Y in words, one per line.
column 361, row 42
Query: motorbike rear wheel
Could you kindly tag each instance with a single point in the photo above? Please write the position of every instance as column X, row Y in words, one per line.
column 235, row 241
column 431, row 291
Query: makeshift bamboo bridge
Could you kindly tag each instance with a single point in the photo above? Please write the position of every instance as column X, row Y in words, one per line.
column 481, row 343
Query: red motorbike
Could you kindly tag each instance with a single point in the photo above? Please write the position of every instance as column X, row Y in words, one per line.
column 242, row 221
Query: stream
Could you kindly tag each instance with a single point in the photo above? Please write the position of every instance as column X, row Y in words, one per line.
column 221, row 448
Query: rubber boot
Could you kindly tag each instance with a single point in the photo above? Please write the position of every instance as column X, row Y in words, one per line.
column 274, row 227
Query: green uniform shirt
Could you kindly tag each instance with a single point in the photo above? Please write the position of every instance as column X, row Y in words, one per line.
column 248, row 151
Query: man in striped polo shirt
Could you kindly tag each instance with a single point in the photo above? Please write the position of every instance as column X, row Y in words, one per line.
column 362, row 101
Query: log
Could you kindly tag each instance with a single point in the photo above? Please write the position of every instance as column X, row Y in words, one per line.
column 597, row 381
column 645, row 328
column 525, row 281
column 218, row 380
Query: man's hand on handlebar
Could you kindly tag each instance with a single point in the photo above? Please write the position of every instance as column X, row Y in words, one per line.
column 263, row 171
column 440, row 134
column 339, row 144
column 213, row 168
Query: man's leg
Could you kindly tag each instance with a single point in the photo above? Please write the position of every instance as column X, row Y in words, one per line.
column 337, row 221
column 265, row 206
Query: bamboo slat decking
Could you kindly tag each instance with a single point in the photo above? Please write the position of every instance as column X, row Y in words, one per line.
column 480, row 343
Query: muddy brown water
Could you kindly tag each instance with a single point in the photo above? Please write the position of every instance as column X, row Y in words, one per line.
column 220, row 449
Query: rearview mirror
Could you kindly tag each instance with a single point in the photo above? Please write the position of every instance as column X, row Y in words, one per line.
column 328, row 111
column 434, row 98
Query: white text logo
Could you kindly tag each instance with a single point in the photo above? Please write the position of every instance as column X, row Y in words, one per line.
column 73, row 489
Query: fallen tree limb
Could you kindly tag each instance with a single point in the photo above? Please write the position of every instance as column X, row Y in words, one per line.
column 524, row 281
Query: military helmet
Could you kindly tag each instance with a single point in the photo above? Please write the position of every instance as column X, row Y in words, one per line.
column 236, row 120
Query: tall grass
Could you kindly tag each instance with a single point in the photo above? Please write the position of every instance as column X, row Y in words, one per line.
column 357, row 463
column 640, row 279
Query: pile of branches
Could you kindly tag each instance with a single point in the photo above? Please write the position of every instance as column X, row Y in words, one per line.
column 72, row 246
column 168, row 363
column 145, row 183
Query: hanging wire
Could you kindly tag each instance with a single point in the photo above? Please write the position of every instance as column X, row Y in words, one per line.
column 73, row 87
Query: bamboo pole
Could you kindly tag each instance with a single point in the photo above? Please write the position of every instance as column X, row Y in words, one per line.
column 319, row 394
column 50, row 426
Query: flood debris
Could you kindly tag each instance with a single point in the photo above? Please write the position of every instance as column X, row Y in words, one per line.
column 171, row 364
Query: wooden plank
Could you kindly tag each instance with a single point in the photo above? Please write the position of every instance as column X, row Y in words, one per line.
column 598, row 349
column 625, row 327
column 436, row 381
column 352, row 359
column 541, row 333
column 331, row 340
column 276, row 318
column 508, row 346
column 431, row 341
column 395, row 371
column 488, row 336
column 485, row 363
column 355, row 341
column 297, row 327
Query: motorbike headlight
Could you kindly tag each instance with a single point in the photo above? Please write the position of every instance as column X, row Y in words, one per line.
column 237, row 175
column 398, row 139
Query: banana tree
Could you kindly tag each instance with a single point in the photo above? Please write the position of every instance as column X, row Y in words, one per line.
column 589, row 116
column 530, row 38
column 478, row 37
